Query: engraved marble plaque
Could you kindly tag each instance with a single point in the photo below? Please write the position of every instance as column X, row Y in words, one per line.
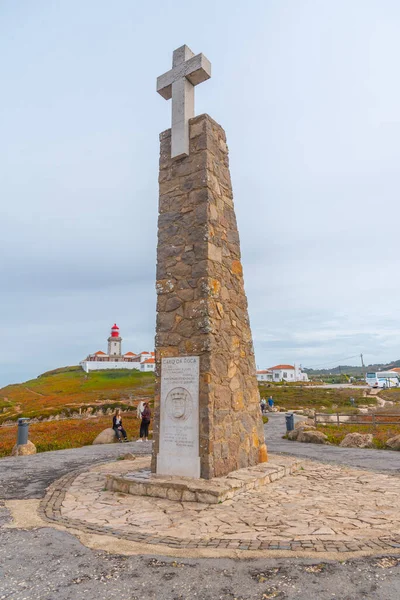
column 179, row 417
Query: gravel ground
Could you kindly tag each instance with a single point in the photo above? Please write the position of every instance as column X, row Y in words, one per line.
column 25, row 477
column 47, row 564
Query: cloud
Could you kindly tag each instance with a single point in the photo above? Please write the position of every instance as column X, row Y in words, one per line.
column 311, row 110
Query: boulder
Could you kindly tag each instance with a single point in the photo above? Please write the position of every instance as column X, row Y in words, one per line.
column 305, row 423
column 312, row 437
column 357, row 440
column 106, row 437
column 309, row 412
column 394, row 443
column 127, row 456
column 293, row 435
column 24, row 449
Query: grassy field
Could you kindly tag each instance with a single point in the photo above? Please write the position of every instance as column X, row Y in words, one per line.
column 71, row 433
column 70, row 389
column 392, row 394
column 292, row 397
column 382, row 433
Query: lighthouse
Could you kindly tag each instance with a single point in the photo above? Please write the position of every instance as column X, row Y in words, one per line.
column 114, row 359
column 114, row 342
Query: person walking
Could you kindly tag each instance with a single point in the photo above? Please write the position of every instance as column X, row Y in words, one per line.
column 270, row 403
column 144, row 426
column 263, row 405
column 117, row 426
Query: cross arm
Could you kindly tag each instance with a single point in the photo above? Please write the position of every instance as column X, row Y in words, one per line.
column 196, row 70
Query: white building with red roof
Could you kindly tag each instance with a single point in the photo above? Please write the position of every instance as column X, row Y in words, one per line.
column 114, row 359
column 282, row 373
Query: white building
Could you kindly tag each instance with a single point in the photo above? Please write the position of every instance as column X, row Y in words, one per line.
column 282, row 373
column 114, row 359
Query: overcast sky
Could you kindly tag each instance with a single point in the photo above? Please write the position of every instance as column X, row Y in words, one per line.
column 308, row 92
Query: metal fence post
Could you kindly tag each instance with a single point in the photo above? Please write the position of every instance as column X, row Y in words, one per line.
column 338, row 418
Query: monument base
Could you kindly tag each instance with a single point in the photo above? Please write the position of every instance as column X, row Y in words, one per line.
column 188, row 489
column 181, row 466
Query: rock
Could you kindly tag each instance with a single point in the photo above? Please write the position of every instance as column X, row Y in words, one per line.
column 312, row 437
column 128, row 456
column 106, row 437
column 357, row 440
column 306, row 423
column 309, row 412
column 394, row 443
column 293, row 435
column 24, row 449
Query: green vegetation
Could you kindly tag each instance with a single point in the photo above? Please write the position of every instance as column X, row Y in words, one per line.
column 67, row 390
column 292, row 397
column 355, row 371
column 381, row 433
column 71, row 433
column 392, row 394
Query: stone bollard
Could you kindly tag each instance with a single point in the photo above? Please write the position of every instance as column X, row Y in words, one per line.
column 23, row 428
column 23, row 447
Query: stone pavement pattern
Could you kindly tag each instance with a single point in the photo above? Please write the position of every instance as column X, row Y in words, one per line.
column 319, row 508
column 44, row 563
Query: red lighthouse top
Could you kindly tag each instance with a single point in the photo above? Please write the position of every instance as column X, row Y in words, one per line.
column 115, row 331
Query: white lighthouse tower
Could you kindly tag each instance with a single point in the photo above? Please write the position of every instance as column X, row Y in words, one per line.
column 114, row 359
column 114, row 342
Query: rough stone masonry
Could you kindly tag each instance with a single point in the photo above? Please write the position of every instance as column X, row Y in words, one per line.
column 201, row 302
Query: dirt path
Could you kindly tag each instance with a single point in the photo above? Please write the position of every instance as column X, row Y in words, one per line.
column 33, row 392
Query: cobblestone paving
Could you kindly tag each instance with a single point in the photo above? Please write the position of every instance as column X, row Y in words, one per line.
column 321, row 508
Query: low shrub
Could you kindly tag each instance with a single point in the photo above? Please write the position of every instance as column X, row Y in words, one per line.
column 381, row 433
column 71, row 433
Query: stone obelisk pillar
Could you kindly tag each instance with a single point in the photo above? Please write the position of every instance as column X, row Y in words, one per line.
column 209, row 422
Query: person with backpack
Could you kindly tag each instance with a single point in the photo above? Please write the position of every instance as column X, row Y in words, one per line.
column 144, row 425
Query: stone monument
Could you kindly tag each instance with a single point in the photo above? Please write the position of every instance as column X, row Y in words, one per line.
column 207, row 420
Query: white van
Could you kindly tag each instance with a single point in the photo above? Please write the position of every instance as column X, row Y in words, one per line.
column 383, row 379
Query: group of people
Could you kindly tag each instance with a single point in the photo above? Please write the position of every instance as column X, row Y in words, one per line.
column 143, row 412
column 266, row 405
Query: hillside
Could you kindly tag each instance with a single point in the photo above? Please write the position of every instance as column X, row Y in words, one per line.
column 69, row 390
column 355, row 371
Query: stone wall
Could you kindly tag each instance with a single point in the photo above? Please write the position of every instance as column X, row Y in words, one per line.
column 201, row 303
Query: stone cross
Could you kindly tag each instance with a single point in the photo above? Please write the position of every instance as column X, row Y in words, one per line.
column 187, row 71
